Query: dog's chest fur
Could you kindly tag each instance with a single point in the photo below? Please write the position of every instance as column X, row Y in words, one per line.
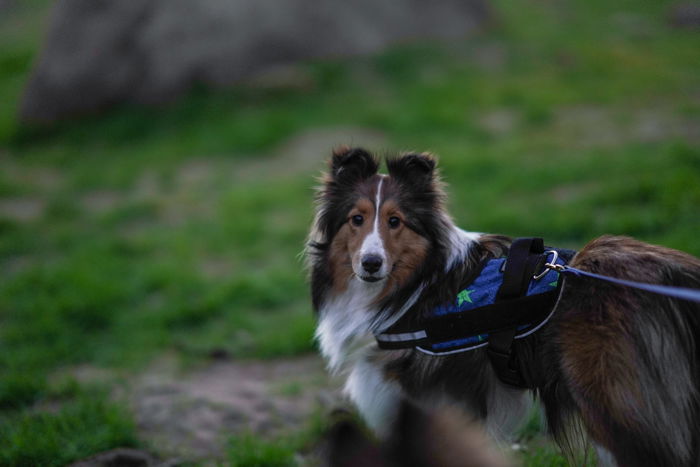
column 346, row 341
column 343, row 328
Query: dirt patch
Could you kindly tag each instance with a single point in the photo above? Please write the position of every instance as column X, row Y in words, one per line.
column 14, row 265
column 592, row 126
column 490, row 57
column 306, row 152
column 123, row 457
column 35, row 177
column 199, row 182
column 589, row 126
column 198, row 173
column 499, row 122
column 101, row 201
column 571, row 192
column 215, row 267
column 22, row 209
column 193, row 415
column 303, row 153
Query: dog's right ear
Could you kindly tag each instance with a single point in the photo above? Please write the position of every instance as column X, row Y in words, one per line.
column 414, row 169
column 351, row 165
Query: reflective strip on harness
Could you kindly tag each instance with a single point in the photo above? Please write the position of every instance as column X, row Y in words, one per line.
column 403, row 337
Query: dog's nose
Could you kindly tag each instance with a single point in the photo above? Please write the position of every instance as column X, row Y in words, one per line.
column 371, row 263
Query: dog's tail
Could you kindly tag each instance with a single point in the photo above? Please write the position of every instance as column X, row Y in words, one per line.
column 631, row 359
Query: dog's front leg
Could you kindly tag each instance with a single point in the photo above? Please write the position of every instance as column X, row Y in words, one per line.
column 376, row 398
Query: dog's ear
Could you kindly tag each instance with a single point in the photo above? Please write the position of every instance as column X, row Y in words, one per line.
column 351, row 165
column 413, row 168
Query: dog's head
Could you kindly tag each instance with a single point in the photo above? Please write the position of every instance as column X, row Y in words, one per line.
column 377, row 228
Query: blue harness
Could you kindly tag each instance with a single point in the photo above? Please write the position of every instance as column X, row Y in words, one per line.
column 509, row 299
column 482, row 293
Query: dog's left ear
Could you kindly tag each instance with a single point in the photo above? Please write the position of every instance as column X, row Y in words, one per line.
column 413, row 168
column 352, row 165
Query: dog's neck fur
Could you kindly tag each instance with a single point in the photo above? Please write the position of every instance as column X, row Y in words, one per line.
column 344, row 323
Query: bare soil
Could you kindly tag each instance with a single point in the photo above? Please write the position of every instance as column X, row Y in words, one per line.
column 193, row 414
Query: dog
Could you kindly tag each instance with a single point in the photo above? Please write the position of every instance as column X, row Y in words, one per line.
column 614, row 365
column 419, row 438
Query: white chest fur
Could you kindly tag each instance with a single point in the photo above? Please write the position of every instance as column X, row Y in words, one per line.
column 345, row 337
column 344, row 324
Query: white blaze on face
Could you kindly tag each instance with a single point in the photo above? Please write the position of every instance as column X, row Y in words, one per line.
column 373, row 245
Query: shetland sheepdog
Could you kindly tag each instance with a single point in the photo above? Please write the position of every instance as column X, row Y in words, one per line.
column 418, row 438
column 613, row 365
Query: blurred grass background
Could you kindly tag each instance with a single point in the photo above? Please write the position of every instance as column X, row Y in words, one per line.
column 178, row 228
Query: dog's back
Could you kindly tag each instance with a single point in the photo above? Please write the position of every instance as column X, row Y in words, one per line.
column 629, row 358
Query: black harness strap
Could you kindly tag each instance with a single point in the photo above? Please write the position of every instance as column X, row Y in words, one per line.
column 500, row 352
column 520, row 267
column 487, row 319
column 523, row 258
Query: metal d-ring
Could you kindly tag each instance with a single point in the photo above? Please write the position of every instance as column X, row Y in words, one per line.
column 552, row 265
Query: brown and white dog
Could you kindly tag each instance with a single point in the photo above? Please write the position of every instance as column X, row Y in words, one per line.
column 620, row 363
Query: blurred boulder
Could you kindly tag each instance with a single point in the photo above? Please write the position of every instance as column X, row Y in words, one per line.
column 120, row 457
column 100, row 52
column 685, row 15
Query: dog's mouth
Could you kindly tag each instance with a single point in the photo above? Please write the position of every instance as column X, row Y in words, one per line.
column 370, row 278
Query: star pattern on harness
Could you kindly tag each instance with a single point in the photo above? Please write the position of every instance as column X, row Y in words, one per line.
column 463, row 296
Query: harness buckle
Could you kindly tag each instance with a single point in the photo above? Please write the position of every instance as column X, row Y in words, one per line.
column 551, row 266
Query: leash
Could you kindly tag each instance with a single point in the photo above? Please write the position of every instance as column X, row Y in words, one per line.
column 683, row 293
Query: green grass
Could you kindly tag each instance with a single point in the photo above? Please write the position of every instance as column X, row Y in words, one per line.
column 148, row 237
column 249, row 450
column 72, row 431
column 536, row 449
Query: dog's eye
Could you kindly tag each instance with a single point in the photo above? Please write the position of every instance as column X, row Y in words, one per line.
column 357, row 220
column 394, row 222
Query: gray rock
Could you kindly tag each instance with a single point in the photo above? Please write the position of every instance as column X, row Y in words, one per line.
column 685, row 15
column 120, row 457
column 100, row 52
